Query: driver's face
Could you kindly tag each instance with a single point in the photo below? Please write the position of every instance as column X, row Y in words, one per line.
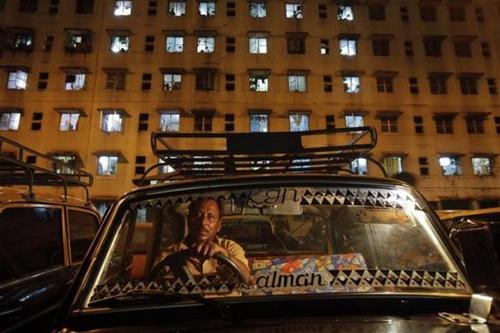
column 205, row 222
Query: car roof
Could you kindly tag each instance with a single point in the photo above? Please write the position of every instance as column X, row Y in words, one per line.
column 12, row 194
column 446, row 215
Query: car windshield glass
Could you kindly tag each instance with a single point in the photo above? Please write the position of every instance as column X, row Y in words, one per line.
column 276, row 240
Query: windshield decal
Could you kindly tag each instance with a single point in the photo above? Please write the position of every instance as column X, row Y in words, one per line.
column 291, row 198
column 279, row 283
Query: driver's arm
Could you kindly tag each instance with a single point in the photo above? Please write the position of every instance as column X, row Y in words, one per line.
column 236, row 253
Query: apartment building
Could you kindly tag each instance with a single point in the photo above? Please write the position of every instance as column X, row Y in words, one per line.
column 88, row 81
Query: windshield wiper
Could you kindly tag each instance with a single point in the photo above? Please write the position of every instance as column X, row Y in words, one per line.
column 139, row 296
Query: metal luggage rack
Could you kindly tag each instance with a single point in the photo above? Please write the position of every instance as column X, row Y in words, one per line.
column 217, row 154
column 14, row 170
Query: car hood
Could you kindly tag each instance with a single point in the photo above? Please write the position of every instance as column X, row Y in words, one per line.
column 373, row 324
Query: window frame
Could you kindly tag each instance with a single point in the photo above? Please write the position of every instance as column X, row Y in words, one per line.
column 17, row 79
column 261, row 12
column 349, row 85
column 458, row 167
column 256, row 120
column 109, row 171
column 69, row 122
column 297, row 82
column 120, row 8
column 294, row 10
column 172, row 9
column 259, row 43
column 170, row 115
column 302, row 124
column 13, row 124
column 109, row 112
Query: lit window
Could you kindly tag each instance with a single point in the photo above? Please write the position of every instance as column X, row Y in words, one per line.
column 201, row 163
column 258, row 9
column 169, row 122
column 393, row 165
column 206, row 45
column 172, row 81
column 297, row 83
column 23, row 42
column 69, row 162
column 301, row 163
column 345, row 13
column 258, row 44
column 111, row 121
column 17, row 80
column 354, row 121
column 481, row 166
column 9, row 121
column 351, row 84
column 78, row 41
column 299, row 122
column 123, row 7
column 119, row 44
column 176, row 8
column 166, row 168
column 175, row 44
column 259, row 81
column 450, row 165
column 74, row 82
column 259, row 122
column 107, row 165
column 324, row 47
column 207, row 8
column 69, row 122
column 293, row 10
column 359, row 166
column 259, row 164
column 348, row 47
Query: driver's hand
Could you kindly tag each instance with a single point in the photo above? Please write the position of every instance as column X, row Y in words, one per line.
column 207, row 249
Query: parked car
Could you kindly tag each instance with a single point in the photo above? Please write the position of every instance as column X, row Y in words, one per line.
column 487, row 218
column 43, row 237
column 324, row 251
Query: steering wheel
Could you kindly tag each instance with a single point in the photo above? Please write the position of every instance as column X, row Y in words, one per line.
column 184, row 271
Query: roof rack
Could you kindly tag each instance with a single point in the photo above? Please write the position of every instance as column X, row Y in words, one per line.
column 217, row 154
column 14, row 170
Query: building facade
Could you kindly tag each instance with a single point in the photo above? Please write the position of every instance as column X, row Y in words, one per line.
column 88, row 81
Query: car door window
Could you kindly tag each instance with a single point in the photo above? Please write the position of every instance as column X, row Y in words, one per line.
column 82, row 229
column 31, row 238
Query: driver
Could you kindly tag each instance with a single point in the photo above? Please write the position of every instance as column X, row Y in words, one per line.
column 196, row 251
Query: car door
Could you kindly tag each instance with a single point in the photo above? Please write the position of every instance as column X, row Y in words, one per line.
column 33, row 260
column 82, row 228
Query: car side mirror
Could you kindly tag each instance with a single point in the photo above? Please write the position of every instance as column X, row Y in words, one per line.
column 476, row 242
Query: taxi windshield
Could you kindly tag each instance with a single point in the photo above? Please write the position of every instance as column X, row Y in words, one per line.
column 276, row 240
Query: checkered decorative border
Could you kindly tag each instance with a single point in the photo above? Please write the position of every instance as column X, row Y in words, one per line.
column 341, row 280
column 343, row 196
